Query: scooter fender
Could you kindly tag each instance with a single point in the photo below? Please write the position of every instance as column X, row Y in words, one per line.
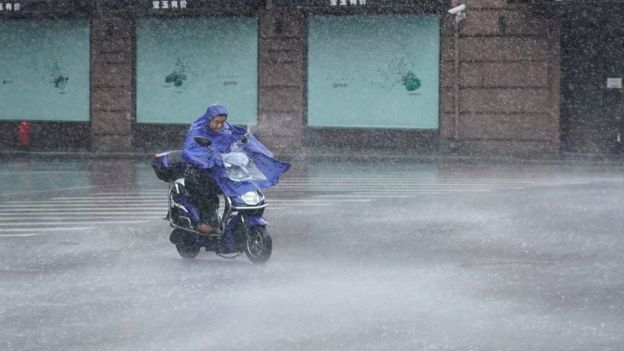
column 251, row 220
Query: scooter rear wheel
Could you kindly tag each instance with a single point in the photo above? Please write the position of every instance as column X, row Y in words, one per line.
column 259, row 245
column 184, row 243
column 187, row 251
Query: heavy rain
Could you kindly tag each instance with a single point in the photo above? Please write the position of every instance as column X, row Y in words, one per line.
column 390, row 175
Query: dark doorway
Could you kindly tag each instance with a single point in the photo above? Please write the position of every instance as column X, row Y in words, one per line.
column 592, row 51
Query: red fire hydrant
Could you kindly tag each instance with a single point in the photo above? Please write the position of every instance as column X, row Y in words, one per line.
column 23, row 133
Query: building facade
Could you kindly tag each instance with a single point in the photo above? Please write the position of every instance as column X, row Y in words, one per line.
column 509, row 79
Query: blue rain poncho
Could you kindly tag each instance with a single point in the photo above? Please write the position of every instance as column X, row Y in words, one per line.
column 211, row 159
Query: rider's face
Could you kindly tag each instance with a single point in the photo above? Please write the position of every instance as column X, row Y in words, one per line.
column 216, row 124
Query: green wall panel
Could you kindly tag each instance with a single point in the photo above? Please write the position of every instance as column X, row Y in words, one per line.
column 183, row 65
column 374, row 71
column 44, row 70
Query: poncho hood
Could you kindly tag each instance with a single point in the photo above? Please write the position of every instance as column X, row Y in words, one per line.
column 214, row 111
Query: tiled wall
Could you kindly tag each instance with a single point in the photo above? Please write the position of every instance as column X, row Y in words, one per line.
column 508, row 84
column 112, row 82
column 281, row 102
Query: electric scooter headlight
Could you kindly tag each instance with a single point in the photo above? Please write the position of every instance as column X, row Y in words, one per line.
column 251, row 198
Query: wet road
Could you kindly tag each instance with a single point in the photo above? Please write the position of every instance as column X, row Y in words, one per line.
column 367, row 256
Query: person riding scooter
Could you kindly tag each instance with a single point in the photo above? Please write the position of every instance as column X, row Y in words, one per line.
column 205, row 176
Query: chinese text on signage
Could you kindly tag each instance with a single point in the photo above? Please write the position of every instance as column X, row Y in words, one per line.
column 346, row 2
column 10, row 6
column 169, row 4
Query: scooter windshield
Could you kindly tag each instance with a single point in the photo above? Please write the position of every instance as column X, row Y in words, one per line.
column 239, row 167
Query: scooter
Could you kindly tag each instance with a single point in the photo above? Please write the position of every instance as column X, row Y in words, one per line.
column 241, row 225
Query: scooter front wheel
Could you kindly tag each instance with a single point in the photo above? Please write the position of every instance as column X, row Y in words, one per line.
column 259, row 245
